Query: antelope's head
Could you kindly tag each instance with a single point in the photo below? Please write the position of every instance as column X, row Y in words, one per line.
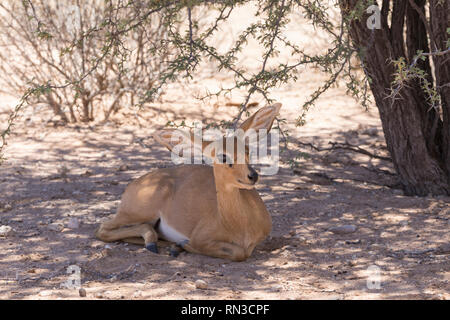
column 229, row 155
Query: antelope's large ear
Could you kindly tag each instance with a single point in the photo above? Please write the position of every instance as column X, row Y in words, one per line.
column 169, row 137
column 262, row 119
column 179, row 141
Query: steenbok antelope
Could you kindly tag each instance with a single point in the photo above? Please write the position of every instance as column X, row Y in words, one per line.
column 210, row 210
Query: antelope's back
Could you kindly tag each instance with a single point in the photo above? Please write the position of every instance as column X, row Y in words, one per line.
column 186, row 190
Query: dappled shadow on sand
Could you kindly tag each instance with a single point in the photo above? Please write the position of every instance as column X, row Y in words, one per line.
column 52, row 182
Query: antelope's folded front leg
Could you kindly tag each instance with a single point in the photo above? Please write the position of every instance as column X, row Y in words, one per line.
column 218, row 249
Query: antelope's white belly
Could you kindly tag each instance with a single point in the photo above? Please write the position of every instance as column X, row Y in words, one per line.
column 168, row 233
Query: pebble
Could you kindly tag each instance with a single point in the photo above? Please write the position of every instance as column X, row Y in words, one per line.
column 106, row 252
column 58, row 227
column 302, row 240
column 276, row 288
column 73, row 223
column 443, row 249
column 200, row 284
column 344, row 229
column 124, row 167
column 373, row 132
column 82, row 292
column 88, row 173
column 6, row 231
column 45, row 293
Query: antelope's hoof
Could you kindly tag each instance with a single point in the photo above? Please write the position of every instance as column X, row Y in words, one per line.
column 152, row 247
column 181, row 244
column 174, row 252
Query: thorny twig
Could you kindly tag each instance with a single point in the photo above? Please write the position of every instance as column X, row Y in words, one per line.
column 400, row 84
column 345, row 146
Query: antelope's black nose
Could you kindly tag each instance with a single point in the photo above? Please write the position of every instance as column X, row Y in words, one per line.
column 253, row 176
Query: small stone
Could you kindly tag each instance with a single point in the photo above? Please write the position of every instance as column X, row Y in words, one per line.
column 98, row 295
column 82, row 292
column 58, row 227
column 276, row 288
column 124, row 167
column 200, row 284
column 113, row 279
column 105, row 252
column 344, row 229
column 339, row 244
column 6, row 231
column 357, row 241
column 73, row 223
column 45, row 293
column 373, row 132
column 302, row 240
column 443, row 249
column 88, row 173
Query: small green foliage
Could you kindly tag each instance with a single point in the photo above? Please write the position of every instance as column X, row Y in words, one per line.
column 190, row 42
column 192, row 45
column 406, row 73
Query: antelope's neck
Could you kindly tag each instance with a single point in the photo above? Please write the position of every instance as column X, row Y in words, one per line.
column 232, row 209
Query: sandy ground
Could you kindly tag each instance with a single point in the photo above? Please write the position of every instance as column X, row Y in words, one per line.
column 54, row 175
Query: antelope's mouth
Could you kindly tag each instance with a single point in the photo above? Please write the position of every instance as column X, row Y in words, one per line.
column 246, row 185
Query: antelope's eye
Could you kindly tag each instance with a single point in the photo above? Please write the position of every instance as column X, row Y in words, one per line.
column 225, row 160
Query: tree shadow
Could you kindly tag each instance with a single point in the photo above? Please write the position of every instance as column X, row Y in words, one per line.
column 302, row 258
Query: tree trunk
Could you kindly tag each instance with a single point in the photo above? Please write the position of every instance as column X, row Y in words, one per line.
column 440, row 22
column 417, row 138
